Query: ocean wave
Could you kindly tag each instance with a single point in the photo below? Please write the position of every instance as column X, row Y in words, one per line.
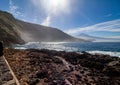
column 105, row 52
column 46, row 45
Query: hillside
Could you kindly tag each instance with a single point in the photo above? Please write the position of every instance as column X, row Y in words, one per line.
column 14, row 31
column 33, row 32
column 8, row 33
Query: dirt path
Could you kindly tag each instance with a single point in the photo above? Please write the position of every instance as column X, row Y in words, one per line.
column 5, row 74
column 15, row 80
column 7, row 77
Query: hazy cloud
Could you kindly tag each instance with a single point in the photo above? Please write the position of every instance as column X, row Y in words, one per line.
column 109, row 26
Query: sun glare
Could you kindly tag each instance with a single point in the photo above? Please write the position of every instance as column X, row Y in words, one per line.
column 56, row 3
column 52, row 7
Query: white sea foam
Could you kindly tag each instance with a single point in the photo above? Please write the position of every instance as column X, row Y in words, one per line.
column 60, row 47
column 46, row 45
column 105, row 52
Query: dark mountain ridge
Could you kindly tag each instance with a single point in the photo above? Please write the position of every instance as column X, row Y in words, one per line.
column 14, row 31
column 97, row 39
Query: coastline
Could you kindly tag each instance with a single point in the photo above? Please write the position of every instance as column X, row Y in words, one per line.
column 108, row 48
column 49, row 67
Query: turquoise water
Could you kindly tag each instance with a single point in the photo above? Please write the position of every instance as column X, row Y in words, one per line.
column 111, row 48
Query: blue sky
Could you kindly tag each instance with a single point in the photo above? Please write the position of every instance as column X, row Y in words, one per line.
column 94, row 17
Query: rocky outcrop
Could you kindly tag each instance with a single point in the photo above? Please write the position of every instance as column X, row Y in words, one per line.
column 49, row 67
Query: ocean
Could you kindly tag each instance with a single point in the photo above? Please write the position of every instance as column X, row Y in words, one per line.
column 110, row 48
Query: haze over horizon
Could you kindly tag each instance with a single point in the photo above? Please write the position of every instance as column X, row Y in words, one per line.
column 99, row 18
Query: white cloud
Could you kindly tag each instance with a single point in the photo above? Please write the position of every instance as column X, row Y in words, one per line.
column 14, row 9
column 52, row 8
column 109, row 26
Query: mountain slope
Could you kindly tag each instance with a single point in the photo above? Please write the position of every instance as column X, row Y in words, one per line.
column 33, row 32
column 8, row 34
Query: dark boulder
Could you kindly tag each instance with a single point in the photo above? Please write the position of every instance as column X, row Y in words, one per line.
column 1, row 48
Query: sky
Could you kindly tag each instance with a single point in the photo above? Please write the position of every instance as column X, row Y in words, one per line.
column 99, row 18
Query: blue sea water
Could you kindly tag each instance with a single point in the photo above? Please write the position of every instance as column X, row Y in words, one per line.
column 111, row 48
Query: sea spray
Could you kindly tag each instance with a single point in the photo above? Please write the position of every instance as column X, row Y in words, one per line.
column 112, row 49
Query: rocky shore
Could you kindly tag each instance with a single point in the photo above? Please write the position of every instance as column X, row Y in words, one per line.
column 49, row 67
